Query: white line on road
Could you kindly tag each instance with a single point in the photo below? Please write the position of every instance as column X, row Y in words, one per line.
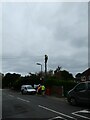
column 82, row 111
column 11, row 95
column 23, row 99
column 56, row 112
column 57, row 118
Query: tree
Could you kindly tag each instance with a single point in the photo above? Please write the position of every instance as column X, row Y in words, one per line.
column 65, row 75
column 78, row 77
column 9, row 79
column 35, row 78
column 57, row 72
column 58, row 69
column 50, row 73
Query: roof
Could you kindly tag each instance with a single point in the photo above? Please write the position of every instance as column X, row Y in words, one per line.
column 86, row 72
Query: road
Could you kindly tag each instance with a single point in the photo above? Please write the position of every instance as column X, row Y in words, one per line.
column 15, row 105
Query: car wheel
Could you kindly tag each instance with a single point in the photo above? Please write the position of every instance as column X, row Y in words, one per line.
column 73, row 101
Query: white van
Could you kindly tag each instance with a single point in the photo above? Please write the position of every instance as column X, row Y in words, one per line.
column 27, row 89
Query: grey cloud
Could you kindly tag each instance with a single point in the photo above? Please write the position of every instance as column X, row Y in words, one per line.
column 81, row 42
column 32, row 30
column 69, row 63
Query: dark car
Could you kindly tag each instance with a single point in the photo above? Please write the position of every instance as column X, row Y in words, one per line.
column 79, row 94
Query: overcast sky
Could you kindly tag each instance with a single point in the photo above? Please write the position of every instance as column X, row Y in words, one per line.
column 31, row 30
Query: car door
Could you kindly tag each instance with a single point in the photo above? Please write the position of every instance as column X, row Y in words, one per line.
column 81, row 92
column 25, row 90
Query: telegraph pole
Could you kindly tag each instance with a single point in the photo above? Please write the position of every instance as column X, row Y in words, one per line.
column 46, row 58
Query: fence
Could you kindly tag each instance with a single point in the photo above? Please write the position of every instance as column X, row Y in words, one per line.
column 55, row 90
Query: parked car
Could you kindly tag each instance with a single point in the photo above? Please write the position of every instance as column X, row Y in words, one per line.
column 27, row 89
column 79, row 94
column 36, row 86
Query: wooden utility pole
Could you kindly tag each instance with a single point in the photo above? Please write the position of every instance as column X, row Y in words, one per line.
column 46, row 58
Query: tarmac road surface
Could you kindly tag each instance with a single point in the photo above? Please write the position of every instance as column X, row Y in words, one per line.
column 15, row 105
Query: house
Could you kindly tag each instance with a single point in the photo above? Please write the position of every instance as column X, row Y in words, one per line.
column 85, row 76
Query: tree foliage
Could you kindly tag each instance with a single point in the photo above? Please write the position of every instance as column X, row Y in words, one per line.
column 65, row 75
column 57, row 78
column 9, row 79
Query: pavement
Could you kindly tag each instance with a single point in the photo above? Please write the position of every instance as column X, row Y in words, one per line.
column 58, row 98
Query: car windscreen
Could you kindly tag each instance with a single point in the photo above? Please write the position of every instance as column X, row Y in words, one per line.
column 29, row 87
column 80, row 87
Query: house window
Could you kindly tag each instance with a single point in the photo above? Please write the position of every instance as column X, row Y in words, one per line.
column 83, row 78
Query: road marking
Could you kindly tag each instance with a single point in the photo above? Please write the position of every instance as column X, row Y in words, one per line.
column 84, row 111
column 81, row 111
column 56, row 112
column 57, row 118
column 11, row 95
column 23, row 99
